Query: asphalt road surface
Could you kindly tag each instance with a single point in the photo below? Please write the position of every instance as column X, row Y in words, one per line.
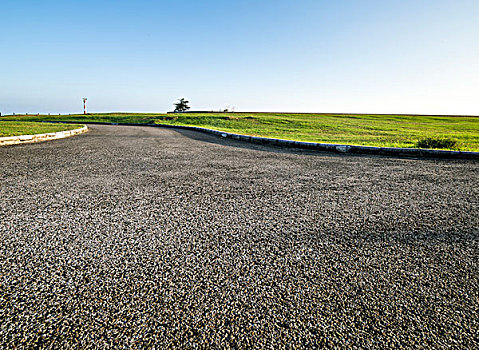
column 138, row 237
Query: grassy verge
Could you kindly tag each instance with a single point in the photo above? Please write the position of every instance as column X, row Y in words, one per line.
column 441, row 132
column 140, row 118
column 31, row 128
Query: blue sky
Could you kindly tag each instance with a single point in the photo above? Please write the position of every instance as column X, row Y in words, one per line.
column 365, row 56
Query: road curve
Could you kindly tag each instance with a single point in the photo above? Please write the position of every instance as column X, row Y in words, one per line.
column 137, row 237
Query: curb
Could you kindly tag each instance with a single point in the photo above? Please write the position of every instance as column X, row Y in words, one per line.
column 325, row 147
column 15, row 140
column 337, row 148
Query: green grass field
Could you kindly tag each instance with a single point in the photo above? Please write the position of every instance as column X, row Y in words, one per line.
column 353, row 129
column 8, row 128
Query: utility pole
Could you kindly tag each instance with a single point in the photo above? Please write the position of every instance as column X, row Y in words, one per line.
column 84, row 105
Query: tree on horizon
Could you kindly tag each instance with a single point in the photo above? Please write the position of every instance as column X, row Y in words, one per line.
column 181, row 105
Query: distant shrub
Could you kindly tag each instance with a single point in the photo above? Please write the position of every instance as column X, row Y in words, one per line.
column 167, row 118
column 436, row 143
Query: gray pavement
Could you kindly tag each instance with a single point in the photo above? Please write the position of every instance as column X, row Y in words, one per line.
column 137, row 237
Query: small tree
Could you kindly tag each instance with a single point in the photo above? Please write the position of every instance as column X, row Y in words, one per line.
column 181, row 105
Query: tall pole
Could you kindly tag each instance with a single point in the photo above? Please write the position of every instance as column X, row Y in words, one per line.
column 84, row 105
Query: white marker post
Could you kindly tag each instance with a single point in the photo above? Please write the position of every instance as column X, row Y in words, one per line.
column 84, row 105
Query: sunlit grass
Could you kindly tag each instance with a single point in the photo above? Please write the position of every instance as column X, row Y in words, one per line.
column 370, row 130
column 10, row 128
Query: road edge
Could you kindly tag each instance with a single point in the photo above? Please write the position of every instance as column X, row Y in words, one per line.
column 22, row 139
column 337, row 148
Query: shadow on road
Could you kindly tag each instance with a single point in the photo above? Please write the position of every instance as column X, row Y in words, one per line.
column 199, row 136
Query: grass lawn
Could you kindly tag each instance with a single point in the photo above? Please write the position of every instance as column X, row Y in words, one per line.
column 369, row 130
column 30, row 128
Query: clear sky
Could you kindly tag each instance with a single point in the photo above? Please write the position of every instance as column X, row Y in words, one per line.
column 369, row 56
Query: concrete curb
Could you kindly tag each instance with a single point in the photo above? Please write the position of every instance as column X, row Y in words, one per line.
column 337, row 148
column 327, row 147
column 15, row 140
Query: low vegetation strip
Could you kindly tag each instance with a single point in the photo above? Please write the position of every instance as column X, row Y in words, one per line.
column 32, row 128
column 405, row 131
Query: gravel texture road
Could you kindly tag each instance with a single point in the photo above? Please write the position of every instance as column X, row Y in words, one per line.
column 138, row 237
